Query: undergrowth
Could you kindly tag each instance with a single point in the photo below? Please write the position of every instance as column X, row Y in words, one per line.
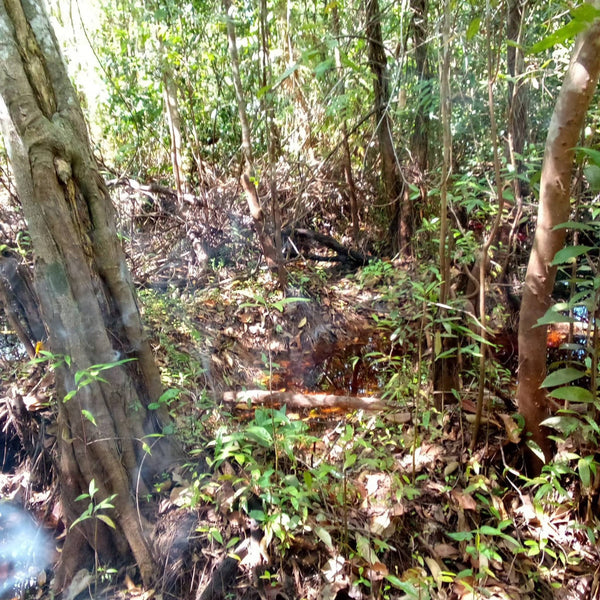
column 394, row 504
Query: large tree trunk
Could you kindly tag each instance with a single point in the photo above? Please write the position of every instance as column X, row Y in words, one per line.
column 565, row 126
column 86, row 295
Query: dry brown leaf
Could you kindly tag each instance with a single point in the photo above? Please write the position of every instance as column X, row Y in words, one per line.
column 435, row 569
column 513, row 432
column 445, row 551
column 464, row 500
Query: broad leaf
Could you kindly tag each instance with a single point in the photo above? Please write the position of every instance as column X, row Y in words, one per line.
column 563, row 423
column 564, row 34
column 106, row 519
column 569, row 253
column 573, row 225
column 593, row 155
column 572, row 394
column 562, row 377
column 324, row 536
column 473, row 28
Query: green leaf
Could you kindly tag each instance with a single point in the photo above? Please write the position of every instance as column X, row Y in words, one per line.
column 346, row 62
column 473, row 28
column 592, row 174
column 573, row 225
column 350, row 460
column 584, row 471
column 216, row 535
column 593, row 155
column 323, row 67
column 460, row 536
column 585, row 12
column 402, row 585
column 89, row 416
column 69, row 395
column 568, row 32
column 562, row 377
column 324, row 536
column 169, row 394
column 259, row 435
column 563, row 423
column 566, row 255
column 257, row 515
column 487, row 530
column 572, row 394
column 553, row 316
column 106, row 519
column 79, row 519
column 363, row 547
column 279, row 305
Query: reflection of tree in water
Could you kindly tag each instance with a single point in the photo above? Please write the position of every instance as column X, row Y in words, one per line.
column 24, row 548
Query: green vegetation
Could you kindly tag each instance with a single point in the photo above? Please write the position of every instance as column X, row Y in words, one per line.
column 333, row 311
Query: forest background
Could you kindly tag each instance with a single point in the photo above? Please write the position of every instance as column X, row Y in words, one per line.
column 336, row 203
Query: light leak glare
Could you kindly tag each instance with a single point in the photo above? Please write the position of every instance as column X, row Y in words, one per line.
column 25, row 549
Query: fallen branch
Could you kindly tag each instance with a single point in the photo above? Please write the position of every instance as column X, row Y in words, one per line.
column 301, row 237
column 298, row 400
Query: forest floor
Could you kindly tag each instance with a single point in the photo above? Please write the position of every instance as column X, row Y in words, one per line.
column 319, row 466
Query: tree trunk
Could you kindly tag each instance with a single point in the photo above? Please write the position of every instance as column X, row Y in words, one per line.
column 266, row 242
column 174, row 122
column 266, row 102
column 20, row 302
column 445, row 369
column 554, row 207
column 517, row 91
column 86, row 296
column 419, row 141
column 392, row 181
column 346, row 156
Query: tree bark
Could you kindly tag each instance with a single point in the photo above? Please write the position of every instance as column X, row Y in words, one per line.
column 554, row 207
column 265, row 240
column 517, row 120
column 445, row 369
column 86, row 296
column 392, row 180
column 174, row 121
column 20, row 302
column 346, row 156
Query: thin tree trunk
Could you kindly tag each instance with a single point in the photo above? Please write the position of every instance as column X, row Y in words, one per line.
column 518, row 125
column 392, row 180
column 554, row 207
column 419, row 142
column 484, row 260
column 266, row 242
column 174, row 122
column 346, row 156
column 271, row 131
column 445, row 369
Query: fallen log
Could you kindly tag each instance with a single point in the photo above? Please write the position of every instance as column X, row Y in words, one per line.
column 298, row 400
